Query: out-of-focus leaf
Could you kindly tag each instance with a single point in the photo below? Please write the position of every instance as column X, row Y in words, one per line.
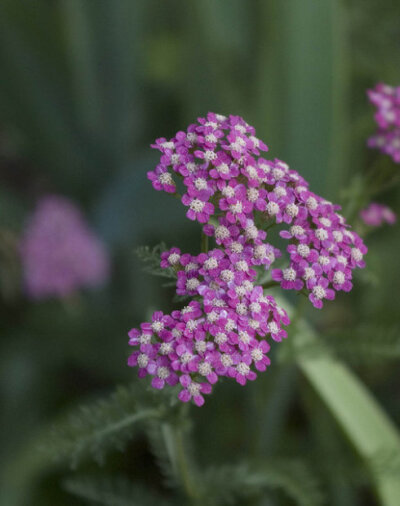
column 31, row 100
column 83, row 61
column 126, row 210
column 367, row 344
column 169, row 443
column 302, row 81
column 95, row 428
column 360, row 416
column 294, row 477
column 113, row 491
column 12, row 210
column 79, row 119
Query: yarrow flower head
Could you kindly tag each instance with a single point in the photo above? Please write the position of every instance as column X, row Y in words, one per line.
column 375, row 215
column 237, row 196
column 386, row 99
column 59, row 253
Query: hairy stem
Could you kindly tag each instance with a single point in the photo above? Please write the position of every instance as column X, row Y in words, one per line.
column 175, row 443
column 204, row 243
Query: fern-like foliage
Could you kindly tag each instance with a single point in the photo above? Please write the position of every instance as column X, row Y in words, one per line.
column 113, row 491
column 156, row 437
column 93, row 429
column 227, row 484
column 173, row 453
column 151, row 258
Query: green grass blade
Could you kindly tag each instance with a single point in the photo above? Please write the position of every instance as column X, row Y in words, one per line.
column 83, row 63
column 302, row 88
column 362, row 419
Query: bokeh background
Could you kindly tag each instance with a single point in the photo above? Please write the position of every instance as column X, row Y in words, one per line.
column 85, row 87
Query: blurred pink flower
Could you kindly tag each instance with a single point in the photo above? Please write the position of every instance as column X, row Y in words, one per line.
column 376, row 214
column 386, row 99
column 59, row 252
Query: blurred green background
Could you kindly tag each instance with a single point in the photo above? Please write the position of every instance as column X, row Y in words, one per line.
column 85, row 87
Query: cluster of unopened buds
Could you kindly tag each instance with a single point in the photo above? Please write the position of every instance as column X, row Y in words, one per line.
column 386, row 99
column 237, row 195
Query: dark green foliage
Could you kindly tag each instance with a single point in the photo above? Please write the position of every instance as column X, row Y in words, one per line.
column 223, row 485
column 113, row 491
column 368, row 344
column 331, row 451
column 151, row 258
column 386, row 462
column 293, row 477
column 95, row 428
column 171, row 448
column 156, row 433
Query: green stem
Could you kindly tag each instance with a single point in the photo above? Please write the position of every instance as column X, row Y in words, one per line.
column 273, row 415
column 386, row 186
column 270, row 284
column 204, row 243
column 174, row 439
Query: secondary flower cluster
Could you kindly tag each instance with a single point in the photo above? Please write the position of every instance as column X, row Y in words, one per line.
column 59, row 253
column 237, row 195
column 377, row 214
column 222, row 333
column 386, row 99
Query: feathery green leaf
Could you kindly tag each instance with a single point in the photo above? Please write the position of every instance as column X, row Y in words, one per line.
column 293, row 477
column 97, row 427
column 151, row 260
column 159, row 450
column 113, row 491
column 169, row 444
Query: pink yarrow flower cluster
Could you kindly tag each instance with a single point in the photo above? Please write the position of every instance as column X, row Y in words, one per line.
column 59, row 253
column 386, row 99
column 375, row 215
column 221, row 333
column 237, row 195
